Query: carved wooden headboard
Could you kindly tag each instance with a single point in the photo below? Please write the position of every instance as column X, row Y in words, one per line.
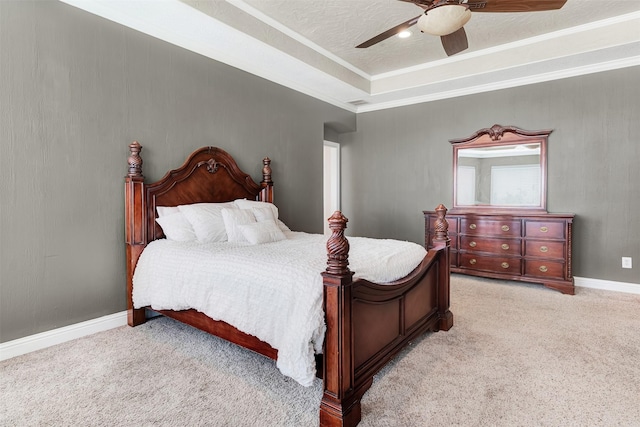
column 209, row 175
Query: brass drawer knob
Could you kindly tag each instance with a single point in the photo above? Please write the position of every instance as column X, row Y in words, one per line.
column 544, row 229
column 505, row 246
column 472, row 226
column 505, row 228
column 543, row 268
column 472, row 244
column 544, row 249
column 505, row 265
column 472, row 261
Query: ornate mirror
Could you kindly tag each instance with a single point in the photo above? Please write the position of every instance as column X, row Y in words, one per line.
column 500, row 169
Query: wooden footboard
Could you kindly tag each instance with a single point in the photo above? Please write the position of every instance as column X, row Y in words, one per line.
column 368, row 323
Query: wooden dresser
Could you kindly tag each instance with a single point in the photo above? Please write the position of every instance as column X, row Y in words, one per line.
column 525, row 247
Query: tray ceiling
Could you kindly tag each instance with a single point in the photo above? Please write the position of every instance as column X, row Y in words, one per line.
column 309, row 45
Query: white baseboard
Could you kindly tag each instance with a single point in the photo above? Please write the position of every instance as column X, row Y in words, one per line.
column 58, row 336
column 46, row 339
column 607, row 285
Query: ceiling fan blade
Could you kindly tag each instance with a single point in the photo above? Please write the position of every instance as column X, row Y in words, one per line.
column 390, row 32
column 455, row 42
column 514, row 5
column 421, row 3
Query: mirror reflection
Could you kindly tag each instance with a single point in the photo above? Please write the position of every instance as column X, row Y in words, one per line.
column 502, row 175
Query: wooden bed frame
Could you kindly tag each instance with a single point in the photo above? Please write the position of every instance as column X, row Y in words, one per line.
column 367, row 324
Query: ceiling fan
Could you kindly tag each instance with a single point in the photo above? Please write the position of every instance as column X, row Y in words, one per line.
column 446, row 18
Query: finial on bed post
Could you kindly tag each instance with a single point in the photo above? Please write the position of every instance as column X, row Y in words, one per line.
column 441, row 242
column 266, row 170
column 337, row 245
column 266, row 195
column 340, row 404
column 135, row 226
column 441, row 226
column 135, row 161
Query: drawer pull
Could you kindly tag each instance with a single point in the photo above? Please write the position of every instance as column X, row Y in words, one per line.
column 505, row 246
column 505, row 228
column 504, row 265
column 472, row 261
column 544, row 229
column 472, row 244
column 543, row 268
column 544, row 249
column 472, row 226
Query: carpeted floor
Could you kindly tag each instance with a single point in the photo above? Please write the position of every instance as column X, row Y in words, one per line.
column 518, row 355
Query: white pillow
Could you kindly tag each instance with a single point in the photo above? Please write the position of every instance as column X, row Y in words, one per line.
column 206, row 220
column 283, row 226
column 167, row 210
column 263, row 214
column 262, row 232
column 266, row 214
column 233, row 219
column 250, row 204
column 176, row 227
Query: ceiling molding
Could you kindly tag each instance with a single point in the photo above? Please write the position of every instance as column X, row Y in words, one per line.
column 549, row 37
column 504, row 84
column 240, row 4
column 181, row 25
column 599, row 46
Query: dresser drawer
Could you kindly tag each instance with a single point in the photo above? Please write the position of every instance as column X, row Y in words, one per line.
column 547, row 229
column 486, row 227
column 545, row 249
column 548, row 269
column 495, row 246
column 533, row 248
column 493, row 264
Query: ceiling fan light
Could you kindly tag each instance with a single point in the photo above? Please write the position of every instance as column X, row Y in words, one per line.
column 444, row 20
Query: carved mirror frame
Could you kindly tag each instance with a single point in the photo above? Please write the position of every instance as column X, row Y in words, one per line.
column 493, row 138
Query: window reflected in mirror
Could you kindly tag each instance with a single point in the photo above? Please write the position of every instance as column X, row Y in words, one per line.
column 507, row 176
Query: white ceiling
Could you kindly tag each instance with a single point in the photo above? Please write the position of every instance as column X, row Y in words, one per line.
column 309, row 45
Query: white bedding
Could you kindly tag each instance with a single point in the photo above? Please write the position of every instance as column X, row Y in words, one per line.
column 272, row 291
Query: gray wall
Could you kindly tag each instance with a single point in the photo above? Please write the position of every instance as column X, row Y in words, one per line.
column 75, row 90
column 399, row 162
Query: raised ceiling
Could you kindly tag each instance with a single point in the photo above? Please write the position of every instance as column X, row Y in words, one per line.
column 309, row 45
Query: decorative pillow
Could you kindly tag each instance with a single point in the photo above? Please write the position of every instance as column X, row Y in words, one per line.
column 264, row 214
column 262, row 232
column 233, row 219
column 250, row 204
column 206, row 220
column 167, row 210
column 283, row 226
column 176, row 227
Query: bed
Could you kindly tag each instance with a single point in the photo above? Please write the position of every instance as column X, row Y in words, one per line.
column 365, row 324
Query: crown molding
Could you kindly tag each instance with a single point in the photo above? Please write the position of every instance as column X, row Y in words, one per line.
column 182, row 25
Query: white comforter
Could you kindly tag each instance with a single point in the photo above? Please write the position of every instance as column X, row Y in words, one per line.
column 272, row 291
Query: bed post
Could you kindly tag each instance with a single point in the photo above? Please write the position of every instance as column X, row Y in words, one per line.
column 340, row 404
column 266, row 194
column 135, row 233
column 442, row 242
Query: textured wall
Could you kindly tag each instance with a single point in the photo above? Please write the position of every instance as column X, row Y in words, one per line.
column 75, row 90
column 399, row 162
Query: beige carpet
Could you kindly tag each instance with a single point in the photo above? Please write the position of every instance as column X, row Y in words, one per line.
column 518, row 355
